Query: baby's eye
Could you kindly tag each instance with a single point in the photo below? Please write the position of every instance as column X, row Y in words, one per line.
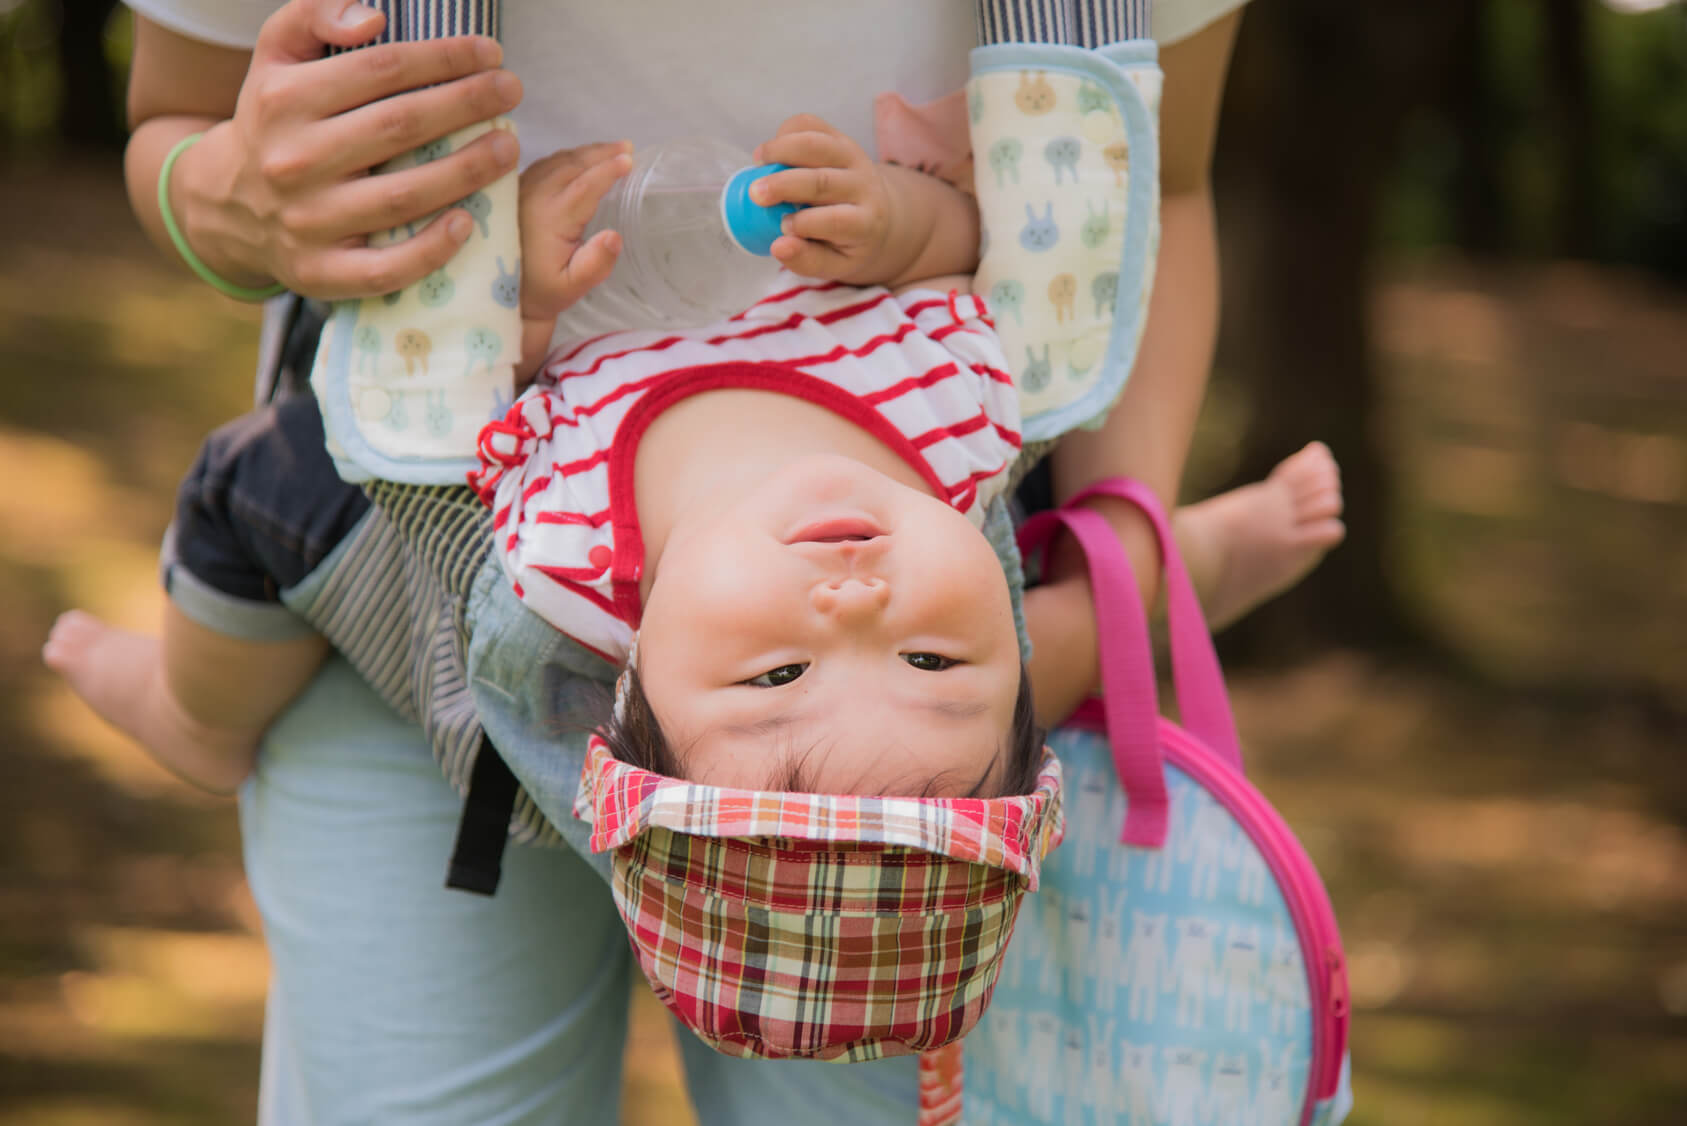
column 773, row 678
column 929, row 662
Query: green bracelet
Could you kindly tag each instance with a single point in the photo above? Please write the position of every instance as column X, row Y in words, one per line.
column 206, row 274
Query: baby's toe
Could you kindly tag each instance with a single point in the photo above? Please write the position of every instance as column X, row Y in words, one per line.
column 1321, row 534
column 1310, row 467
column 71, row 633
column 1312, row 488
column 1318, row 504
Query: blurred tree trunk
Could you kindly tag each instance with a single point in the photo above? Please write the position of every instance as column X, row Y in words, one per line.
column 88, row 112
column 1478, row 213
column 1317, row 101
column 1567, row 79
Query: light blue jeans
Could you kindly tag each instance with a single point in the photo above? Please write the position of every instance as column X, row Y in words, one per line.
column 394, row 1000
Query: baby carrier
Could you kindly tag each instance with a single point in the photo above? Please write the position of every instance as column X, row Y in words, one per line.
column 1181, row 963
column 406, row 380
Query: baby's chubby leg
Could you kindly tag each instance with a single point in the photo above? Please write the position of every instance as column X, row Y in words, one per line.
column 197, row 700
column 259, row 511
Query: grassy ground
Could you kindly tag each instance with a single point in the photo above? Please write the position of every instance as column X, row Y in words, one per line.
column 1509, row 863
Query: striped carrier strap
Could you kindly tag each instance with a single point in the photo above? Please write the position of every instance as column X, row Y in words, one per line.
column 1074, row 23
column 394, row 606
column 417, row 556
column 433, row 541
column 447, row 534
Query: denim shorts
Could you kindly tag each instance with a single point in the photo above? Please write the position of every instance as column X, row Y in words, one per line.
column 261, row 507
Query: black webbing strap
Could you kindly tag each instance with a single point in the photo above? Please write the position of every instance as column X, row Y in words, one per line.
column 477, row 859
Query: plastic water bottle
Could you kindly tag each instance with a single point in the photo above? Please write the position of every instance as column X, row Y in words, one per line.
column 694, row 248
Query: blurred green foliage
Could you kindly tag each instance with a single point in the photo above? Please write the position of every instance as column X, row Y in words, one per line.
column 38, row 38
column 1636, row 105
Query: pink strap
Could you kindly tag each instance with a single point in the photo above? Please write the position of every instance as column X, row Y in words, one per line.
column 1203, row 705
column 1127, row 668
column 1125, row 654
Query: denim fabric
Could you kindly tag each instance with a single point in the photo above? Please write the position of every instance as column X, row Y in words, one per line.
column 262, row 505
column 732, row 1092
column 538, row 694
column 393, row 999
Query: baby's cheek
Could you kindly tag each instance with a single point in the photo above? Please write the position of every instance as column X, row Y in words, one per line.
column 973, row 565
column 727, row 593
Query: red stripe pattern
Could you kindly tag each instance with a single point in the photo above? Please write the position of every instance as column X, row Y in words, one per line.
column 922, row 371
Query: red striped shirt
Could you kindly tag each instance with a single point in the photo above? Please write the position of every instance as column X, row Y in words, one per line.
column 923, row 372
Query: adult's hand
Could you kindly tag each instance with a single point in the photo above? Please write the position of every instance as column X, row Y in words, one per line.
column 281, row 190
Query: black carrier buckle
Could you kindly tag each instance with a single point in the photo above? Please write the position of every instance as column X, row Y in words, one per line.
column 477, row 859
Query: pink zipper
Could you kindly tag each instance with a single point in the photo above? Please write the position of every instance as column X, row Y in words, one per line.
column 1303, row 891
column 1309, row 904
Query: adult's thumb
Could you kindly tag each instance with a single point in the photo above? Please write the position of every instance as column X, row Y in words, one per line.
column 300, row 30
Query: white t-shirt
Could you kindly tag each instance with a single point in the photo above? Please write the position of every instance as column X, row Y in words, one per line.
column 659, row 69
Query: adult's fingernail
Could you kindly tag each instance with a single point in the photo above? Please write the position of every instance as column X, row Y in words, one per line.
column 457, row 225
column 505, row 148
column 354, row 13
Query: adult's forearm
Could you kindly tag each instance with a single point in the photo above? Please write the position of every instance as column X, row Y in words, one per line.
column 197, row 185
column 1148, row 432
column 1146, row 436
column 278, row 188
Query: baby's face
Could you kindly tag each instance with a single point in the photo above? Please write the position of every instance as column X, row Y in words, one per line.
column 837, row 630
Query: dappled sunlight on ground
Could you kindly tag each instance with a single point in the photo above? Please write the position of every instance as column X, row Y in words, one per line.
column 1513, row 905
column 1504, row 842
column 1538, row 417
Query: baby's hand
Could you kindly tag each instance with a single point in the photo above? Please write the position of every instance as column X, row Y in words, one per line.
column 848, row 212
column 558, row 196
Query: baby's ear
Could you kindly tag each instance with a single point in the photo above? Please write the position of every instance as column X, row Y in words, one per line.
column 932, row 137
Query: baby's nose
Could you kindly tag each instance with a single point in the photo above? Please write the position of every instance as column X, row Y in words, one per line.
column 851, row 597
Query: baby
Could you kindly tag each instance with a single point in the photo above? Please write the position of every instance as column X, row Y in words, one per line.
column 787, row 513
column 783, row 509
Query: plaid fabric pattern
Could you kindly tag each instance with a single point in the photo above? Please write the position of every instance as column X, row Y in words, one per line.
column 622, row 801
column 817, row 926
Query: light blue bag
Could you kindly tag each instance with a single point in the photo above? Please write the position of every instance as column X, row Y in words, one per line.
column 1190, row 973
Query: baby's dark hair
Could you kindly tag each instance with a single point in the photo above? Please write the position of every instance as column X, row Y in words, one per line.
column 635, row 737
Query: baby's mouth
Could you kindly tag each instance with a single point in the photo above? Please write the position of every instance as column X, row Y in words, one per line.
column 844, row 529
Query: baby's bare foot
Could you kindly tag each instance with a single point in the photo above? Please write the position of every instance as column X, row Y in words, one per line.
column 121, row 676
column 1265, row 537
column 106, row 666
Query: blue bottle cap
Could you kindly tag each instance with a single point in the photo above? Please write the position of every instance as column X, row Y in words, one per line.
column 751, row 225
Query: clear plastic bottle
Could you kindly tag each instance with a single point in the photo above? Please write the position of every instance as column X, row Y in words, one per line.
column 694, row 248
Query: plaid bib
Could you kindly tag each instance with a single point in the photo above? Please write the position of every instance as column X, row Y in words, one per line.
column 817, row 926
